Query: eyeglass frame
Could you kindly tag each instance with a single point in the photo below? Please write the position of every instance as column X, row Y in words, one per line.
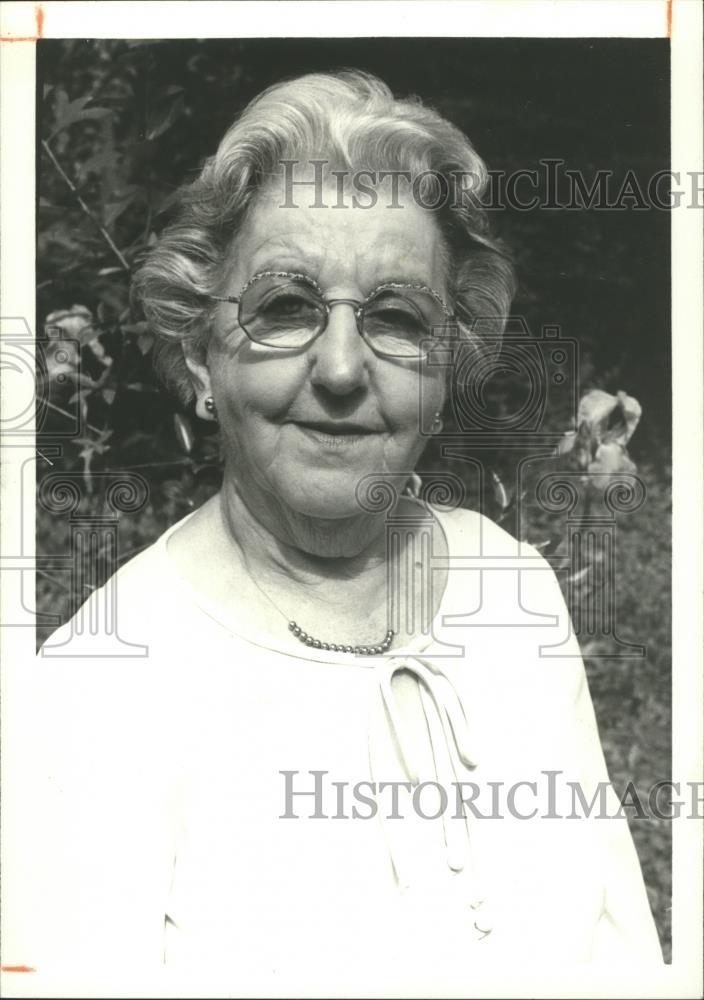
column 357, row 304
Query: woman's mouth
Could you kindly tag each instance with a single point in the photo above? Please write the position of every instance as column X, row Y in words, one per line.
column 337, row 433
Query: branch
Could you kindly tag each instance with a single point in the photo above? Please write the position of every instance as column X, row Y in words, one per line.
column 64, row 413
column 67, row 180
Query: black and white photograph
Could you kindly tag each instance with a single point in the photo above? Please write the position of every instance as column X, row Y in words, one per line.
column 351, row 640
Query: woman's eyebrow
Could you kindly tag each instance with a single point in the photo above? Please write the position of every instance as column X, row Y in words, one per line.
column 285, row 252
column 291, row 265
column 396, row 278
column 292, row 270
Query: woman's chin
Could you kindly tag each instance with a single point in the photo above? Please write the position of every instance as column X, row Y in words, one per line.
column 324, row 497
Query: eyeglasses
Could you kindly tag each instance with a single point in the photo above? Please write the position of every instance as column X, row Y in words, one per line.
column 285, row 310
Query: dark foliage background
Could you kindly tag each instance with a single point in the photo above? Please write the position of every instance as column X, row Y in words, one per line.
column 122, row 124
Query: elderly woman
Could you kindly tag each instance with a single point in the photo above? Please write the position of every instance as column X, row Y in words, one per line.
column 350, row 759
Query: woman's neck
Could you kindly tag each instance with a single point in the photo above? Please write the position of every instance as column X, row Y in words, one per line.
column 302, row 547
column 229, row 555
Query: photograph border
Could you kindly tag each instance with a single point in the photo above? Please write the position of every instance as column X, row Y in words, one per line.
column 21, row 24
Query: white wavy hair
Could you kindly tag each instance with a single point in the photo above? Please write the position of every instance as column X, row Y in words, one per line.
column 350, row 119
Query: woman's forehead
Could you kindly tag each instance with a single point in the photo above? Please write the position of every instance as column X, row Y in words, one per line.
column 341, row 244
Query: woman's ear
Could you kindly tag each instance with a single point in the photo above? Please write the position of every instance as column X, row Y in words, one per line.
column 200, row 377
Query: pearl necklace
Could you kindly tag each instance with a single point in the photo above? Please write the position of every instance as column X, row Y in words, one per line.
column 336, row 647
column 375, row 649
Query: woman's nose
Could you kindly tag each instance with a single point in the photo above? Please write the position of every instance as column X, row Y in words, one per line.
column 339, row 354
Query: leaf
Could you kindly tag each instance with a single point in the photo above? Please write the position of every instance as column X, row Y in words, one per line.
column 499, row 491
column 98, row 443
column 145, row 342
column 69, row 112
column 61, row 359
column 98, row 163
column 94, row 113
column 120, row 202
column 141, row 387
column 134, row 329
column 98, row 351
column 611, row 458
column 109, row 396
column 167, row 202
column 87, row 382
column 542, row 546
column 165, row 113
column 580, row 575
column 553, row 546
column 184, row 433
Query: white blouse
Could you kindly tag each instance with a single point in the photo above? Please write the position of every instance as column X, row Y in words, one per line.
column 155, row 820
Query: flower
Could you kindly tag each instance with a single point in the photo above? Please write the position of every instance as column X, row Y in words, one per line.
column 74, row 324
column 605, row 424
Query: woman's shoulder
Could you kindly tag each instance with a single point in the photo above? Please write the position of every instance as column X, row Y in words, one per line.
column 147, row 572
column 137, row 599
column 520, row 620
column 514, row 575
column 474, row 534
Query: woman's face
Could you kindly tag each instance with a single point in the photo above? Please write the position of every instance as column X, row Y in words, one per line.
column 304, row 427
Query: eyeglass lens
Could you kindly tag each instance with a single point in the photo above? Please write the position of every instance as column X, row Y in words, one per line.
column 289, row 313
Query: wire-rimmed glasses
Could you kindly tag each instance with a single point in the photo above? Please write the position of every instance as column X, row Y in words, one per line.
column 286, row 310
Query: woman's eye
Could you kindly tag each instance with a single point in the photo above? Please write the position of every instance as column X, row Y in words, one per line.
column 288, row 305
column 395, row 316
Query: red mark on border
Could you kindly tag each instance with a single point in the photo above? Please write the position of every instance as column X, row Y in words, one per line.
column 39, row 21
column 17, row 968
column 669, row 18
